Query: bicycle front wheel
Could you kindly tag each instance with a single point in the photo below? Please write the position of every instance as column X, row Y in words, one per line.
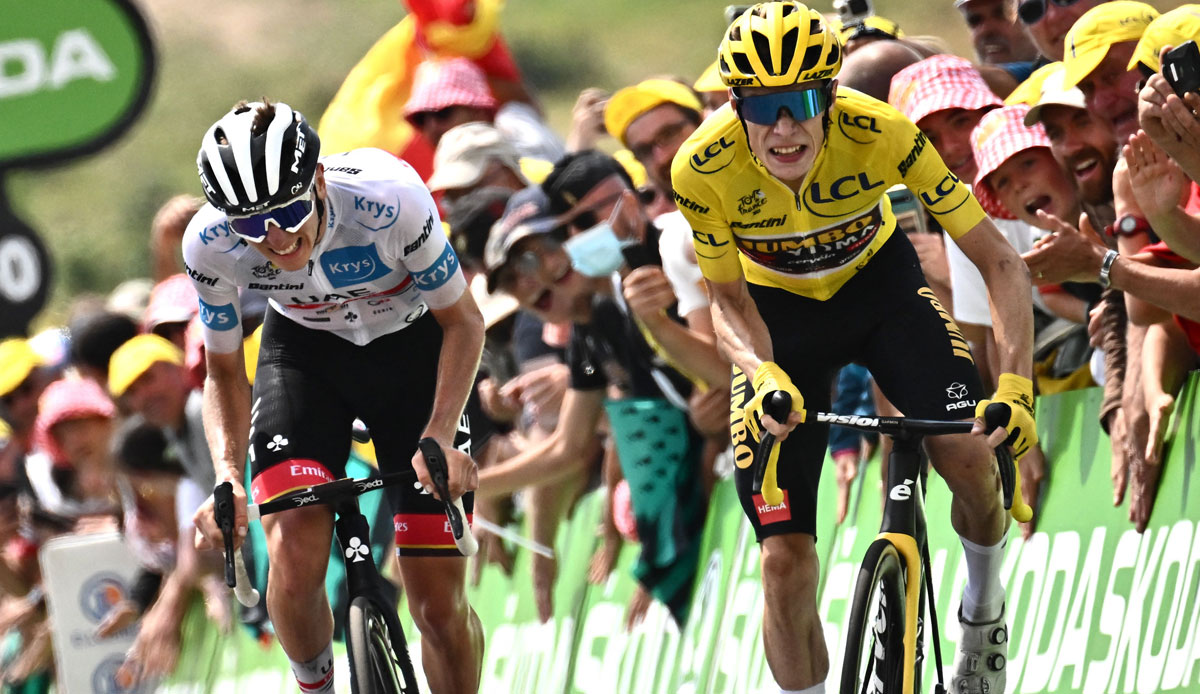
column 874, row 659
column 375, row 666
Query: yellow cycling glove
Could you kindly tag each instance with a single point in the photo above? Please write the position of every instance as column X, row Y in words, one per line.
column 768, row 378
column 1017, row 393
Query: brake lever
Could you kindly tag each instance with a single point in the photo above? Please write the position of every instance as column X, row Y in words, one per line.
column 995, row 416
column 435, row 462
column 778, row 404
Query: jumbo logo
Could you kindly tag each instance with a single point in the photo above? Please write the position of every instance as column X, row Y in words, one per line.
column 947, row 196
column 376, row 211
column 840, row 190
column 352, row 265
column 714, row 157
column 218, row 317
column 815, row 251
column 859, row 123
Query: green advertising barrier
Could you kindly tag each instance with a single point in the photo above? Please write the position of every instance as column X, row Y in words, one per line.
column 1093, row 606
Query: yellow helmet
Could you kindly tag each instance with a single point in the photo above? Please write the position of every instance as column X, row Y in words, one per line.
column 778, row 44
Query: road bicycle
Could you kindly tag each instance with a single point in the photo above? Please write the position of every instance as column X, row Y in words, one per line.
column 885, row 636
column 375, row 642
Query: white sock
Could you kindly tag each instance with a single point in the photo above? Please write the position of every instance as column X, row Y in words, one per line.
column 983, row 597
column 315, row 676
column 818, row 688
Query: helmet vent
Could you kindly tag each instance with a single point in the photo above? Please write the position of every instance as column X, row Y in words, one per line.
column 811, row 57
column 743, row 63
column 762, row 47
column 787, row 49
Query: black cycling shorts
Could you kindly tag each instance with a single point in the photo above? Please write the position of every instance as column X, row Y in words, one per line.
column 310, row 386
column 884, row 318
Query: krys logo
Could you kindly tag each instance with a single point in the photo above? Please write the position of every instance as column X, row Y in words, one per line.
column 714, row 156
column 380, row 215
column 352, row 265
column 88, row 62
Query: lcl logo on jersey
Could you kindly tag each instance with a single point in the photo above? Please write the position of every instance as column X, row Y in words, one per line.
column 714, row 157
column 844, row 195
column 947, row 196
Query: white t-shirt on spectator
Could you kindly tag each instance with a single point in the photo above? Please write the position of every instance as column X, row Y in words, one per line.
column 679, row 262
column 966, row 284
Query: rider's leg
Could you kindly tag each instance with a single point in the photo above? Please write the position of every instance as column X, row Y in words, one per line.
column 296, row 597
column 451, row 634
column 792, row 637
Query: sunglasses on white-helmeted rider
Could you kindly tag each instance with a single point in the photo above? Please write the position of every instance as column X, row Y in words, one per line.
column 1032, row 11
column 289, row 217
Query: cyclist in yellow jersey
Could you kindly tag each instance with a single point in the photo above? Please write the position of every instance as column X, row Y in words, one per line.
column 785, row 193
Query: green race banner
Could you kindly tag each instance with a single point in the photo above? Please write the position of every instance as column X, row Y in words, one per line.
column 73, row 75
column 1092, row 605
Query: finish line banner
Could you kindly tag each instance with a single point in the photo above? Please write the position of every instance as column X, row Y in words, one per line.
column 1092, row 605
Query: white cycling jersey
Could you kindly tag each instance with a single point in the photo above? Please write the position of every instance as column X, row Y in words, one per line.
column 382, row 262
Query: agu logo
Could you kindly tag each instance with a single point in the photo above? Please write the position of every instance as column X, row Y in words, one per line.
column 107, row 678
column 99, row 593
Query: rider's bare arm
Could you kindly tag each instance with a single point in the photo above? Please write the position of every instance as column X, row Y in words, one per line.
column 462, row 346
column 741, row 333
column 227, row 412
column 1010, row 292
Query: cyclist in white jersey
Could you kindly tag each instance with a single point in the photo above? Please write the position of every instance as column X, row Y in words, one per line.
column 369, row 317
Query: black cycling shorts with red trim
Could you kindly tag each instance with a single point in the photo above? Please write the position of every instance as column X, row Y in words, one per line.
column 884, row 318
column 310, row 386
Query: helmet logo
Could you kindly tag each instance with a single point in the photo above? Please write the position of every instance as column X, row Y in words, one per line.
column 296, row 188
column 299, row 153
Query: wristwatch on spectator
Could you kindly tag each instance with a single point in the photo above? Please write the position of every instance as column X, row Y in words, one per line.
column 1128, row 225
column 1106, row 268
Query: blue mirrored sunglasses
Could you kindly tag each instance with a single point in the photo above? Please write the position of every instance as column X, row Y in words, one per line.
column 289, row 217
column 765, row 109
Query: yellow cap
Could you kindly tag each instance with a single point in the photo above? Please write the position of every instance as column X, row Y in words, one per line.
column 131, row 360
column 1028, row 91
column 869, row 26
column 1170, row 29
column 627, row 104
column 633, row 167
column 1099, row 28
column 17, row 361
column 250, row 352
column 710, row 80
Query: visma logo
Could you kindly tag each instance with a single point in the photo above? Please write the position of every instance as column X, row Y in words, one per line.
column 218, row 317
column 352, row 265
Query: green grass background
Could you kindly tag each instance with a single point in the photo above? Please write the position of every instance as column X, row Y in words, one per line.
column 94, row 213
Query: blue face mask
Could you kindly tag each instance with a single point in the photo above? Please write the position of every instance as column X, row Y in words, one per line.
column 597, row 251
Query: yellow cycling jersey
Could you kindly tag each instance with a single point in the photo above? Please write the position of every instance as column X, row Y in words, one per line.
column 747, row 223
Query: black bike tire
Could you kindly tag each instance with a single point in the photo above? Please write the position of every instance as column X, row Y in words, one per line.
column 373, row 660
column 881, row 569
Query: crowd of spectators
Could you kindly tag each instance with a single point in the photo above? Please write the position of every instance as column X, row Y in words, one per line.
column 601, row 366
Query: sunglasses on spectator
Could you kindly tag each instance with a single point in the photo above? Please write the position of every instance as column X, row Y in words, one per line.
column 1032, row 11
column 665, row 136
column 588, row 218
column 528, row 262
column 419, row 118
column 289, row 217
column 765, row 109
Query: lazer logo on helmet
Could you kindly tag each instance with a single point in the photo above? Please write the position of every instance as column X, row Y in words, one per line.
column 218, row 317
column 740, row 81
column 352, row 265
